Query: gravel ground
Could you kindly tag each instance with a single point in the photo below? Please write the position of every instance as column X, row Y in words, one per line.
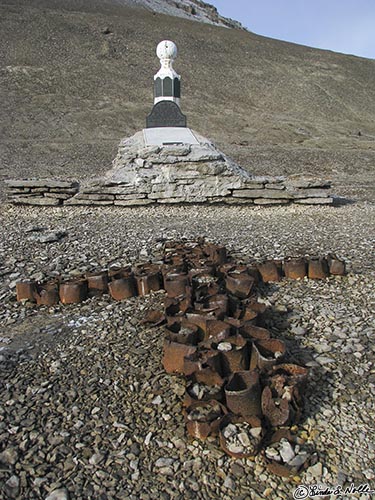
column 86, row 407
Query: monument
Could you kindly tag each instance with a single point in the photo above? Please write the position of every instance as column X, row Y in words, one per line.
column 166, row 124
column 167, row 162
column 167, row 91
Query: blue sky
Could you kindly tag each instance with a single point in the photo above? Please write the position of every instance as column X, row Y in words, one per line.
column 346, row 26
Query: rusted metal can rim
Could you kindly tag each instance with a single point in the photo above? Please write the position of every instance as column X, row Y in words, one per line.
column 243, row 393
column 73, row 292
column 183, row 333
column 203, row 418
column 297, row 464
column 119, row 272
column 174, row 354
column 240, row 437
column 196, row 391
column 48, row 293
column 26, row 290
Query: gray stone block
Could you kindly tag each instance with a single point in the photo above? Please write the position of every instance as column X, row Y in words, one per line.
column 204, row 153
column 200, row 188
column 74, row 201
column 278, row 186
column 65, row 191
column 253, row 185
column 18, row 191
column 190, row 199
column 25, row 195
column 148, row 151
column 270, row 201
column 314, row 201
column 133, row 203
column 175, row 150
column 48, row 183
column 135, row 196
column 95, row 197
column 58, row 196
column 140, row 162
column 262, row 193
column 36, row 200
column 232, row 201
column 306, row 181
column 310, row 193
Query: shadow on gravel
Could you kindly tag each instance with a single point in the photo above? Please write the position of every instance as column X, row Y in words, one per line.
column 341, row 202
column 316, row 391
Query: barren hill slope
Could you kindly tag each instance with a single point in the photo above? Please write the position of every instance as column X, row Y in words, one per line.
column 76, row 76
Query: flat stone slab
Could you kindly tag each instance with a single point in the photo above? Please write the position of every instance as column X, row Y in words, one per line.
column 42, row 183
column 315, row 201
column 162, row 136
column 38, row 201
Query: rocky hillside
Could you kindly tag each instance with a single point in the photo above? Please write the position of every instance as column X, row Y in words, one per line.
column 195, row 10
column 76, row 77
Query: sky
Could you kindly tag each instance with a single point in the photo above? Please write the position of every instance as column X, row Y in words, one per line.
column 346, row 26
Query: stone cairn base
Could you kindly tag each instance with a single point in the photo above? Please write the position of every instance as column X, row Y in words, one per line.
column 172, row 174
column 240, row 385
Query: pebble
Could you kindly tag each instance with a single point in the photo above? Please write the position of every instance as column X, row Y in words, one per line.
column 315, row 471
column 12, row 486
column 229, row 484
column 96, row 459
column 59, row 494
column 164, row 462
column 148, row 438
column 286, row 451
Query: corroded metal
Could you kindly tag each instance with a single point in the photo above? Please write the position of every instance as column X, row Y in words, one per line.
column 239, row 284
column 248, row 443
column 183, row 333
column 123, row 288
column 318, row 268
column 73, row 292
column 203, row 418
column 295, row 268
column 270, row 270
column 174, row 354
column 97, row 283
column 175, row 284
column 266, row 353
column 47, row 293
column 26, row 290
column 243, row 393
column 234, row 352
column 336, row 266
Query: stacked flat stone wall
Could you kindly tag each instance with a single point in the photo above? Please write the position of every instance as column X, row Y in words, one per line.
column 301, row 190
column 258, row 191
column 42, row 192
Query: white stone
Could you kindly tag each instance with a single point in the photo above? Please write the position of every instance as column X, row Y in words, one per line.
column 224, row 346
column 148, row 438
column 315, row 471
column 164, row 462
column 286, row 451
column 60, row 494
column 244, row 439
column 256, row 431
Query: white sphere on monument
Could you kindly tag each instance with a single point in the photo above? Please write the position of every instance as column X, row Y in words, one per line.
column 166, row 50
